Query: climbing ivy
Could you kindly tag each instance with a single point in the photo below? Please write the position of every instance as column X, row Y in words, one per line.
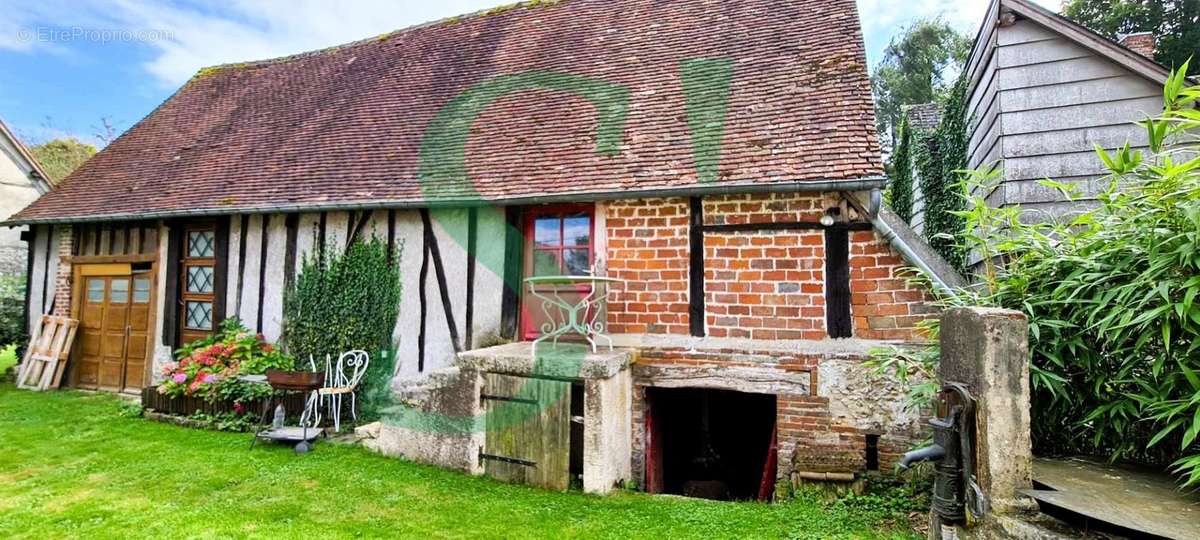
column 940, row 158
column 346, row 301
column 900, row 192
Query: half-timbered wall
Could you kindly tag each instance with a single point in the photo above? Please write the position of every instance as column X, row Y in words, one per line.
column 266, row 252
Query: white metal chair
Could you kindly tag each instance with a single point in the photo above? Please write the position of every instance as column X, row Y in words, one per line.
column 342, row 379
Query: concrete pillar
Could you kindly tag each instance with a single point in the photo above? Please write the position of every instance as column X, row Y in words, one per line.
column 988, row 351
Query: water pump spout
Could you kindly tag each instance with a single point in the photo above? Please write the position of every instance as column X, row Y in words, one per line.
column 929, row 453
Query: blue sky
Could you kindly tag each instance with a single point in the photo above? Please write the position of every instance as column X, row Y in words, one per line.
column 67, row 64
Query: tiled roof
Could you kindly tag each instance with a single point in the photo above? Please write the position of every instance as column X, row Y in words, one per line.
column 345, row 125
column 923, row 117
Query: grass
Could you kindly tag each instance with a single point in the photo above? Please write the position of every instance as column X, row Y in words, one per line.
column 71, row 465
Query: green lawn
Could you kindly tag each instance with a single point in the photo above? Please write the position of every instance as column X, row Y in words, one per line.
column 72, row 466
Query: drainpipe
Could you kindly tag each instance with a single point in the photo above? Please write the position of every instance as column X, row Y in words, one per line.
column 875, row 203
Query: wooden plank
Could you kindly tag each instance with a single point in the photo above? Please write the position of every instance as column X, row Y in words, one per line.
column 1135, row 499
column 510, row 299
column 696, row 266
column 111, row 269
column 220, row 274
column 528, row 430
column 837, row 283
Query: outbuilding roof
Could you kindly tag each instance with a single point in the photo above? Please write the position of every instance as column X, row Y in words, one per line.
column 575, row 99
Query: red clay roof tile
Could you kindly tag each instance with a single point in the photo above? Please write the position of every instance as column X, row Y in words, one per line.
column 345, row 125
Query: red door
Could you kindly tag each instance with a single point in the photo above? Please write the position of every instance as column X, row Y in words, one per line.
column 559, row 241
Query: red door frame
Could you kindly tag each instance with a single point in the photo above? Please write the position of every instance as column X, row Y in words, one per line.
column 526, row 330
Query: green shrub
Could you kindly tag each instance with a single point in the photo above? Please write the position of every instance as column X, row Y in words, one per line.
column 900, row 192
column 1111, row 296
column 347, row 301
column 939, row 157
column 13, row 321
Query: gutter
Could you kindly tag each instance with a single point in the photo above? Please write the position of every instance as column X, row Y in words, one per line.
column 941, row 275
column 858, row 184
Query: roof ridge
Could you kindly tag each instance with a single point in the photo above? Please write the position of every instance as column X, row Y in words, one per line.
column 207, row 71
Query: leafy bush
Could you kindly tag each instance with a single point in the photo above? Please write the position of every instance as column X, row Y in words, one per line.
column 209, row 367
column 1111, row 296
column 939, row 157
column 347, row 301
column 13, row 322
column 900, row 192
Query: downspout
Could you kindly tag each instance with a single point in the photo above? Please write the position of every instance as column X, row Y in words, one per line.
column 906, row 250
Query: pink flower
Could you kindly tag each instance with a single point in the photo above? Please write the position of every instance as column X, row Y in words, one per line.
column 179, row 378
column 239, row 408
column 208, row 378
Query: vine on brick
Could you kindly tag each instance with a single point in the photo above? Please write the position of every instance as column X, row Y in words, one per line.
column 940, row 161
column 900, row 192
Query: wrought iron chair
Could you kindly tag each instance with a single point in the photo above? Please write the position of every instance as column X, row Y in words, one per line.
column 342, row 379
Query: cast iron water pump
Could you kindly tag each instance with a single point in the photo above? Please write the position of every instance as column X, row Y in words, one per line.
column 957, row 499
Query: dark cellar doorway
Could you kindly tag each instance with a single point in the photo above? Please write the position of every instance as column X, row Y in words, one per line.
column 714, row 444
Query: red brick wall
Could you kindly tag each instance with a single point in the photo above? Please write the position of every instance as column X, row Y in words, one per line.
column 884, row 301
column 62, row 281
column 648, row 247
column 759, row 284
column 767, row 284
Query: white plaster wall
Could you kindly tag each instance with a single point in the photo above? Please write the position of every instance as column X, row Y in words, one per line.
column 231, row 267
column 408, row 323
column 247, row 307
column 336, row 224
column 36, row 290
column 273, row 293
column 489, row 275
column 307, row 229
column 17, row 190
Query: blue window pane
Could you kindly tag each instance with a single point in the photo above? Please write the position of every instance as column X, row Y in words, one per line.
column 545, row 231
column 577, row 231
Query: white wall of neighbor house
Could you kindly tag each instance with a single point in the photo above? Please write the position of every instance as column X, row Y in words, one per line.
column 17, row 190
column 1039, row 106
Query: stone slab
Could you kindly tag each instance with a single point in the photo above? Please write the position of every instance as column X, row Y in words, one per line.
column 565, row 361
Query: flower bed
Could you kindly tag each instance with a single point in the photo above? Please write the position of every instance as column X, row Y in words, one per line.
column 203, row 383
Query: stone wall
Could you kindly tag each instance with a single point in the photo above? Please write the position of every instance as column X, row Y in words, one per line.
column 827, row 404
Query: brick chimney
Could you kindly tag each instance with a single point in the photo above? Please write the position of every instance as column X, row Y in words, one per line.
column 1139, row 42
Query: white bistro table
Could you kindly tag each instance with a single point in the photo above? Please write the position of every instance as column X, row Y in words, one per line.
column 584, row 315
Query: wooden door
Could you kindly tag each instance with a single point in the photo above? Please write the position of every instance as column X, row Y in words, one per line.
column 528, row 438
column 91, row 331
column 114, row 332
column 137, row 347
column 559, row 241
column 114, row 335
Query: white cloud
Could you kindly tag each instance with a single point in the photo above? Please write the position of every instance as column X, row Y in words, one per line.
column 186, row 36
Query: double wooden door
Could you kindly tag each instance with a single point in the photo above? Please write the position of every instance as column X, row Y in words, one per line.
column 114, row 332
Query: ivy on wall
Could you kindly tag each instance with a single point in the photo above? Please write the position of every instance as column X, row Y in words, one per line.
column 346, row 301
column 900, row 192
column 939, row 158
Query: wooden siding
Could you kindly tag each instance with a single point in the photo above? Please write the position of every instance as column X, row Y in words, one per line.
column 1038, row 105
